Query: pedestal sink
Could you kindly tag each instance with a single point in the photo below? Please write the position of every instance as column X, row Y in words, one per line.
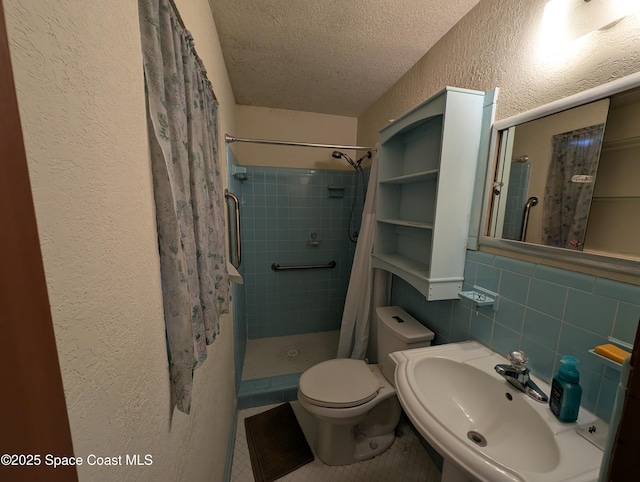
column 485, row 429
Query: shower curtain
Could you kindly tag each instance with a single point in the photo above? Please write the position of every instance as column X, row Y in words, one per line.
column 569, row 188
column 368, row 287
column 189, row 199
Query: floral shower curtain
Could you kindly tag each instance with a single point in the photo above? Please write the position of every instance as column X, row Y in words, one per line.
column 569, row 188
column 188, row 192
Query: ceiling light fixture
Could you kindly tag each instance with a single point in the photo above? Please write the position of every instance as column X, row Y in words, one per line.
column 586, row 16
column 566, row 21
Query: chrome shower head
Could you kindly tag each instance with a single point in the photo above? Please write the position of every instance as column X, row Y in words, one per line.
column 338, row 155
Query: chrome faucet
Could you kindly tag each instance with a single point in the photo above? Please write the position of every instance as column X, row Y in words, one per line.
column 518, row 375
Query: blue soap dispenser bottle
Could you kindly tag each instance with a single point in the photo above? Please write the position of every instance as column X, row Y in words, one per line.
column 566, row 391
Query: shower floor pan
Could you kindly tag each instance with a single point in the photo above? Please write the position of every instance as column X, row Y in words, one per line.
column 272, row 366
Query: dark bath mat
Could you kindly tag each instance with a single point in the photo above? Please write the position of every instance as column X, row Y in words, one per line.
column 276, row 443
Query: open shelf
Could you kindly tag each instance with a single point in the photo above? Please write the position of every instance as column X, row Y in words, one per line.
column 426, row 173
column 626, row 143
column 409, row 178
column 612, row 198
column 412, row 224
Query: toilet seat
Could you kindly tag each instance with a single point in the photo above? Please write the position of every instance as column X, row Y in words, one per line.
column 339, row 383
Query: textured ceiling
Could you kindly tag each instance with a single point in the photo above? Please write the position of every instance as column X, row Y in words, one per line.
column 328, row 56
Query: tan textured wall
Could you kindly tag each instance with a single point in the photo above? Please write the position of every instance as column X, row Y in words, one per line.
column 78, row 71
column 289, row 125
column 497, row 45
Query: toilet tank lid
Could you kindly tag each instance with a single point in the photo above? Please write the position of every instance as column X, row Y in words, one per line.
column 403, row 325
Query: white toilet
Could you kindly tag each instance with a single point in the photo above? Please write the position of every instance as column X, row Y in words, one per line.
column 355, row 404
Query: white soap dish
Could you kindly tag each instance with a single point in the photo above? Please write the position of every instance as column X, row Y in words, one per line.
column 478, row 298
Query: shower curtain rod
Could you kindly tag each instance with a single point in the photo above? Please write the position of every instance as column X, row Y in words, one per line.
column 229, row 139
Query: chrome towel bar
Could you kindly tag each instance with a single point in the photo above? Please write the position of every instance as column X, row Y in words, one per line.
column 329, row 265
column 235, row 236
column 532, row 201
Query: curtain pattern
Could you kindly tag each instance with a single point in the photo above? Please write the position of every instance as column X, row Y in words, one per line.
column 569, row 188
column 188, row 192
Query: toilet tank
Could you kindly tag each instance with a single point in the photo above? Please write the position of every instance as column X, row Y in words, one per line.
column 398, row 330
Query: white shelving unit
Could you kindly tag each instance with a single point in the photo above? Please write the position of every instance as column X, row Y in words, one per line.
column 427, row 160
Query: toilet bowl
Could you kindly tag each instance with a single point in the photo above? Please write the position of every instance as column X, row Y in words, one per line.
column 349, row 430
column 355, row 404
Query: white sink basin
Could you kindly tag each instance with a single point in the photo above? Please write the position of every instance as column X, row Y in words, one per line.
column 484, row 428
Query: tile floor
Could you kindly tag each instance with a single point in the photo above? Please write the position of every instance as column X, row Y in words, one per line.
column 268, row 357
column 406, row 460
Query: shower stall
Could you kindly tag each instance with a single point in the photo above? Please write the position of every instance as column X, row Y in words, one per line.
column 298, row 229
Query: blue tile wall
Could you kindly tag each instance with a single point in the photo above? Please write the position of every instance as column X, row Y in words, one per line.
column 545, row 311
column 281, row 208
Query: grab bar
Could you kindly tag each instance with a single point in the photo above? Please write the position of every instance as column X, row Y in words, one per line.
column 238, row 245
column 329, row 265
column 532, row 201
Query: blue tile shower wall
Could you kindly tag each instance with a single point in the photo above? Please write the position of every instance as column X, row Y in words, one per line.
column 546, row 312
column 281, row 208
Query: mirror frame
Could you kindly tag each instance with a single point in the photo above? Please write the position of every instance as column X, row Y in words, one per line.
column 603, row 261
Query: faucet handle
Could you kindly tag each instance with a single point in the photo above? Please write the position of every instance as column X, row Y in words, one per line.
column 518, row 360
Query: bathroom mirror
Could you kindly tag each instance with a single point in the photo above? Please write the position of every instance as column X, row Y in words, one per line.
column 565, row 179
